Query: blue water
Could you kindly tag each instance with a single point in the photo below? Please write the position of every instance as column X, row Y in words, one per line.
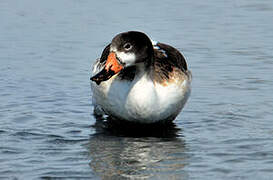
column 48, row 131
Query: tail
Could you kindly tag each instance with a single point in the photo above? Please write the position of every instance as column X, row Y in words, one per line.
column 188, row 72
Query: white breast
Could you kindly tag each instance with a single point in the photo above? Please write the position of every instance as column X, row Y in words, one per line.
column 141, row 100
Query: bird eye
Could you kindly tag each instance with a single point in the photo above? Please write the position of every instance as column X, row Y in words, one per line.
column 127, row 46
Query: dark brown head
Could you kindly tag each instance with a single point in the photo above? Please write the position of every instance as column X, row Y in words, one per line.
column 126, row 49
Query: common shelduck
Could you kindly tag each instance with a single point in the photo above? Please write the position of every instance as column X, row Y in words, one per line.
column 140, row 80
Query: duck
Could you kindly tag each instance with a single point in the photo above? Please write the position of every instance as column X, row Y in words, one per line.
column 140, row 80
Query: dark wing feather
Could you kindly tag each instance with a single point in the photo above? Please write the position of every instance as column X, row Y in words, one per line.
column 105, row 54
column 175, row 58
column 100, row 62
column 167, row 60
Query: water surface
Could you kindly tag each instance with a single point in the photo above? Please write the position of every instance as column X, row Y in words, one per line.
column 48, row 131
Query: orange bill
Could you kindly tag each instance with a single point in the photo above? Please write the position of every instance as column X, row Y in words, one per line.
column 112, row 67
column 112, row 63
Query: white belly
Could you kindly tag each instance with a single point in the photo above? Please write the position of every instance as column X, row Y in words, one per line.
column 141, row 100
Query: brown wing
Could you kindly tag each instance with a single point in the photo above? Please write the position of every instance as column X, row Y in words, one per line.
column 168, row 62
column 175, row 58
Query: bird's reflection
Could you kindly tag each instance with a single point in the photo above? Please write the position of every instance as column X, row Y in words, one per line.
column 131, row 151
